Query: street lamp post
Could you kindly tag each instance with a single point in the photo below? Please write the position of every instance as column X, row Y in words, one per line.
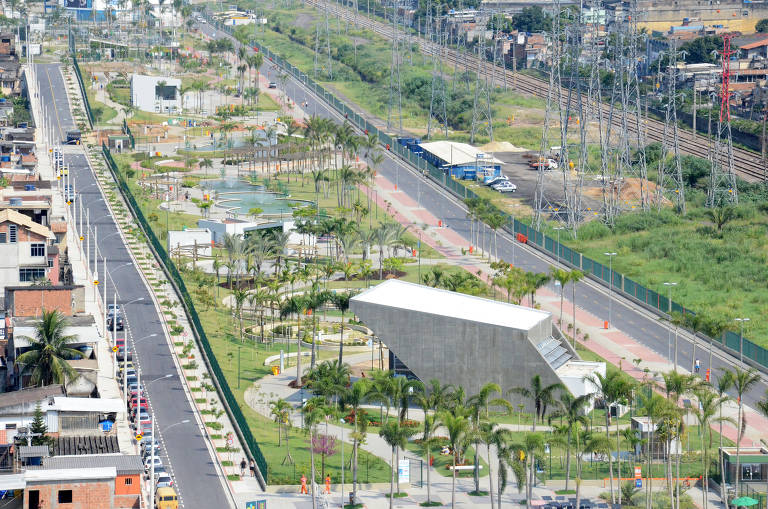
column 741, row 338
column 342, row 462
column 125, row 363
column 558, row 228
column 610, row 288
column 669, row 336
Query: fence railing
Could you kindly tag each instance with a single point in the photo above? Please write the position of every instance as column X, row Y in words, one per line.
column 594, row 269
column 86, row 103
column 230, row 403
column 127, row 130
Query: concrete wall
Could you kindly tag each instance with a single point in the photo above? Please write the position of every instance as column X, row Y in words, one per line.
column 185, row 240
column 460, row 352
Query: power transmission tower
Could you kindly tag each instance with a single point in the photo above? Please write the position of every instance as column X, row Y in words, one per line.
column 438, row 103
column 631, row 168
column 482, row 116
column 328, row 43
column 557, row 108
column 722, row 185
column 395, row 91
column 670, row 179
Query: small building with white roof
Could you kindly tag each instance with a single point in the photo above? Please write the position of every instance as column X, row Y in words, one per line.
column 469, row 341
column 460, row 159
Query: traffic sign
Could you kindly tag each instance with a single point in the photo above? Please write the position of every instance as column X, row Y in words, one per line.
column 139, row 437
column 638, row 472
column 638, row 483
column 114, row 349
column 256, row 504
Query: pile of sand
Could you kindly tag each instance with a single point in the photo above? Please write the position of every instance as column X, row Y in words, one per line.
column 502, row 146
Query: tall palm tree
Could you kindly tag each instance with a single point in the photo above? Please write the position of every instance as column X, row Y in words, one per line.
column 492, row 436
column 396, row 436
column 562, row 276
column 354, row 398
column 572, row 410
column 478, row 405
column 457, row 426
column 743, row 381
column 724, row 384
column 341, row 301
column 295, row 305
column 314, row 412
column 281, row 414
column 706, row 416
column 428, row 441
column 48, row 351
column 315, row 299
column 541, row 396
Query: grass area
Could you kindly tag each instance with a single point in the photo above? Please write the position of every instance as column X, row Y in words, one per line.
column 442, row 462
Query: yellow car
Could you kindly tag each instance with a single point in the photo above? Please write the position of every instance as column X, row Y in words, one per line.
column 166, row 498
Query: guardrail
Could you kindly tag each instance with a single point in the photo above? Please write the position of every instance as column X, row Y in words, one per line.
column 87, row 104
column 222, row 387
column 593, row 269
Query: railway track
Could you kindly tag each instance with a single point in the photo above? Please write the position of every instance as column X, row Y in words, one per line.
column 746, row 164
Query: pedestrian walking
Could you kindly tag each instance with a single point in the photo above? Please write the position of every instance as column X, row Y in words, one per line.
column 253, row 468
column 697, row 365
column 243, row 464
column 304, row 485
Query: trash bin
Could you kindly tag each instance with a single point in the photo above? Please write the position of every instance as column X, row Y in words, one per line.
column 275, row 370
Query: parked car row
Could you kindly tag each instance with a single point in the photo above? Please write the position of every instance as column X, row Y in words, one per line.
column 141, row 422
column 501, row 184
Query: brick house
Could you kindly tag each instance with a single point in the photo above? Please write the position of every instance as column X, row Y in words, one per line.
column 29, row 301
column 25, row 250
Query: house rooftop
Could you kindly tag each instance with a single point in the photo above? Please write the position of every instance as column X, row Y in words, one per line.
column 33, row 395
column 97, row 444
column 124, row 464
column 22, row 220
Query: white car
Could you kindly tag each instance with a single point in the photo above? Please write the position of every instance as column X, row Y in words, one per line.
column 163, row 481
column 504, row 187
column 496, row 180
column 148, row 463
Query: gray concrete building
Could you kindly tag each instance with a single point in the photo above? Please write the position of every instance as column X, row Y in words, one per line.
column 469, row 341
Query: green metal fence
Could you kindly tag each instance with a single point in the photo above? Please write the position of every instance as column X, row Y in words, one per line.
column 620, row 284
column 127, row 130
column 80, row 82
column 231, row 404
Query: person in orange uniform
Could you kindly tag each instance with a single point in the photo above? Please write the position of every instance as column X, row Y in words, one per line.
column 327, row 483
column 304, row 485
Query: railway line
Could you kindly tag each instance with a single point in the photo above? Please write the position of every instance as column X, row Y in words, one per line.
column 746, row 164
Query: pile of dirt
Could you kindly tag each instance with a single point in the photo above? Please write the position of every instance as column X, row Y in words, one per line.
column 630, row 190
column 502, row 146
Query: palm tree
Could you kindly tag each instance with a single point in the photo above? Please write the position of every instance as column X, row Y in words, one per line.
column 541, row 395
column 743, row 381
column 314, row 411
column 457, row 426
column 562, row 276
column 531, row 446
column 491, row 435
column 724, row 383
column 705, row 414
column 354, row 397
column 478, row 405
column 396, row 436
column 592, row 444
column 295, row 305
column 572, row 410
column 315, row 299
column 428, row 441
column 281, row 414
column 49, row 351
column 341, row 301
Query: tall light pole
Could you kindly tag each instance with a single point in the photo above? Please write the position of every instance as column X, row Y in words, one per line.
column 669, row 337
column 558, row 228
column 610, row 289
column 741, row 339
column 342, row 462
column 152, row 461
